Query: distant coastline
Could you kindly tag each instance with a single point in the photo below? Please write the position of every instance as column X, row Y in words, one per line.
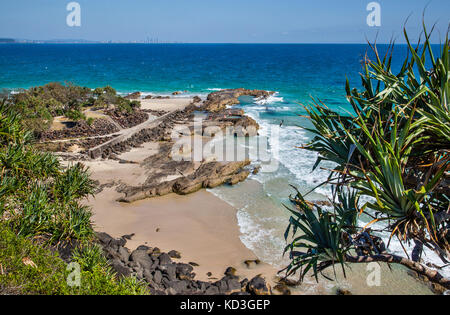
column 81, row 41
column 162, row 42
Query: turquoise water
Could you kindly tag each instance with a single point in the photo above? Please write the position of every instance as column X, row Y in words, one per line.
column 295, row 72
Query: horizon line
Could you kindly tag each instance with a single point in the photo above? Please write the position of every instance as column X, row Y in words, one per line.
column 51, row 42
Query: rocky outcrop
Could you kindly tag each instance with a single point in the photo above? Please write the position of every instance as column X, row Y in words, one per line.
column 164, row 276
column 73, row 146
column 80, row 129
column 126, row 119
column 156, row 113
column 208, row 175
column 211, row 175
column 246, row 127
column 219, row 100
column 188, row 179
column 258, row 286
column 159, row 129
column 235, row 119
column 133, row 96
column 166, row 173
column 160, row 97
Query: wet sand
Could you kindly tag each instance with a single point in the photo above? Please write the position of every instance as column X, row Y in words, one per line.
column 200, row 226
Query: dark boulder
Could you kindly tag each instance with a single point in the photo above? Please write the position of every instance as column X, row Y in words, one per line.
column 169, row 270
column 233, row 286
column 174, row 254
column 142, row 258
column 222, row 286
column 120, row 268
column 157, row 276
column 104, row 238
column 184, row 269
column 212, row 290
column 180, row 287
column 123, row 253
column 164, row 259
column 258, row 286
column 244, row 283
column 282, row 289
column 230, row 271
column 342, row 291
column 143, row 247
column 133, row 96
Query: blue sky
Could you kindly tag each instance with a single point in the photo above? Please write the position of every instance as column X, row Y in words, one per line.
column 224, row 21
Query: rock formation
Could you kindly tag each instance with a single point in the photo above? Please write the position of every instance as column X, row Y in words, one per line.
column 164, row 276
column 219, row 100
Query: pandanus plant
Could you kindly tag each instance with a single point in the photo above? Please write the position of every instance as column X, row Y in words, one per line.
column 393, row 150
column 38, row 197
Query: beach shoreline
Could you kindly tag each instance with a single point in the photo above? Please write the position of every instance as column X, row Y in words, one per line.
column 201, row 226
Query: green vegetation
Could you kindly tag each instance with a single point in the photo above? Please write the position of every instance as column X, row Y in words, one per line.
column 394, row 152
column 29, row 268
column 107, row 95
column 40, row 200
column 39, row 105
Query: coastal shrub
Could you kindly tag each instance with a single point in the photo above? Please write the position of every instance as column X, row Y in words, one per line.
column 41, row 200
column 38, row 196
column 109, row 90
column 89, row 256
column 50, row 206
column 29, row 268
column 39, row 105
column 75, row 115
column 98, row 276
column 73, row 183
column 393, row 151
column 48, row 277
column 135, row 104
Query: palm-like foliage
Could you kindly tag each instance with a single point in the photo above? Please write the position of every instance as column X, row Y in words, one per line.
column 320, row 240
column 38, row 196
column 394, row 150
column 330, row 138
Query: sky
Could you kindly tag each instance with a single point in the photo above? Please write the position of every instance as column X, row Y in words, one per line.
column 221, row 21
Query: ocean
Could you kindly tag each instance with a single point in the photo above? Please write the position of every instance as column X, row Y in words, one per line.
column 295, row 72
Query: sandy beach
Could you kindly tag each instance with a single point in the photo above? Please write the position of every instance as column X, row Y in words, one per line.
column 200, row 151
column 171, row 104
column 202, row 227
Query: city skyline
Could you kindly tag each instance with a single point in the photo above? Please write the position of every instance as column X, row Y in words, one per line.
column 201, row 21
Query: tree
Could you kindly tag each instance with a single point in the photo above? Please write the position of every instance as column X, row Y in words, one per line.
column 393, row 150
